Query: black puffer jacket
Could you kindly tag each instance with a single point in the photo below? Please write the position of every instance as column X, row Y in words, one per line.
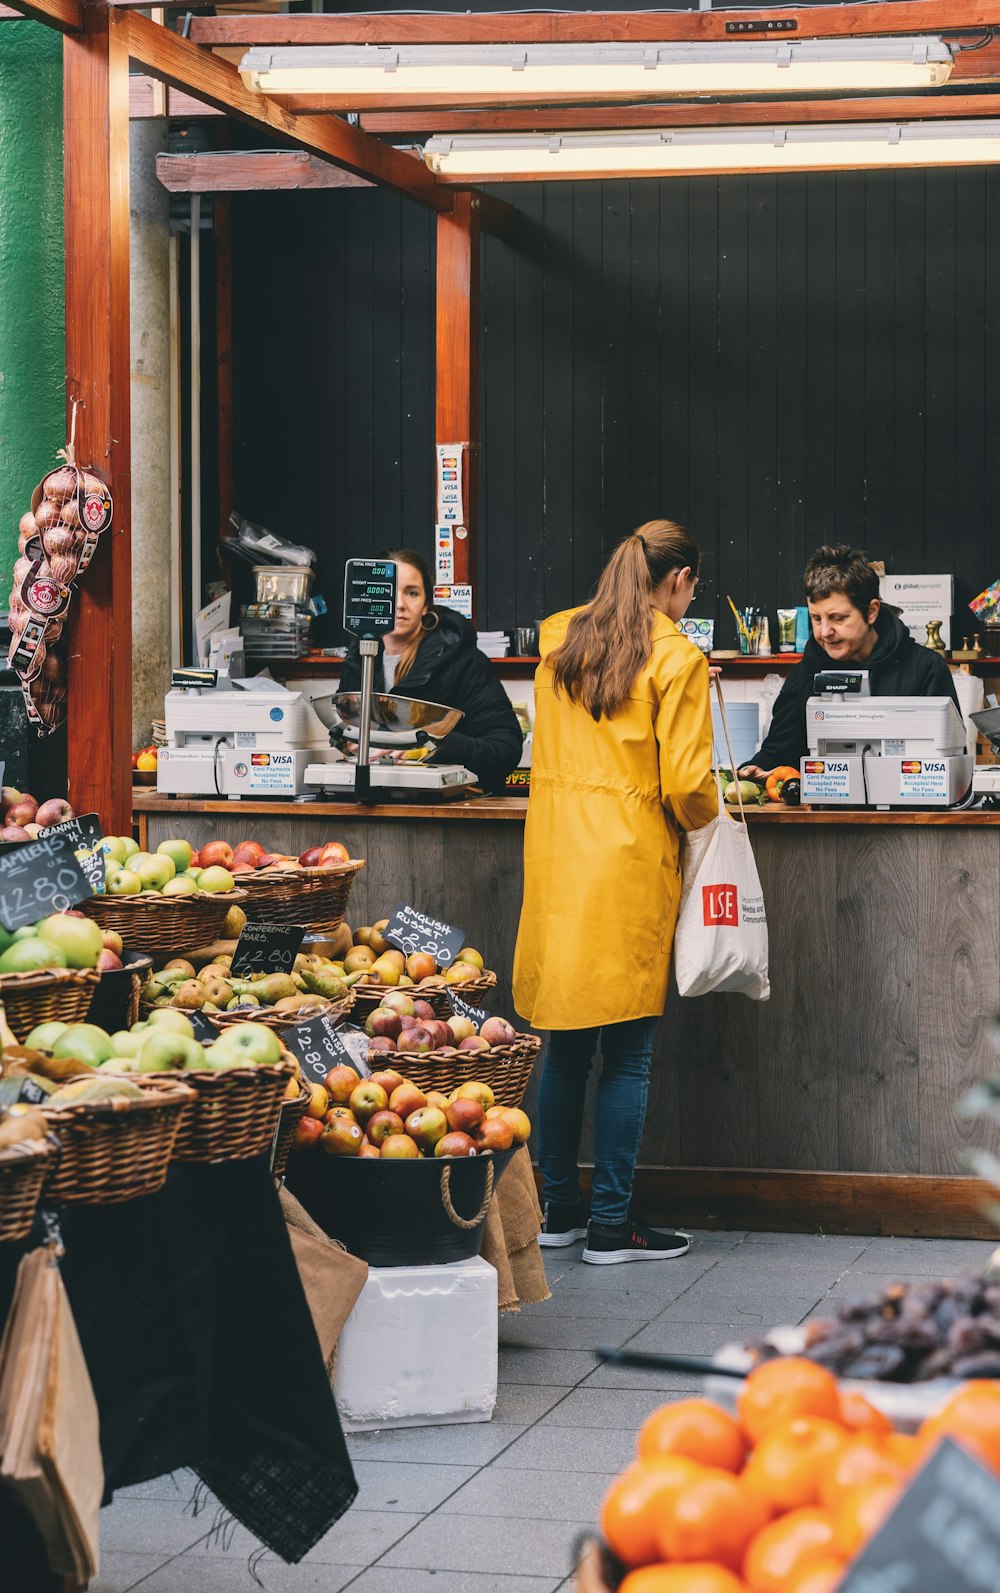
column 449, row 668
column 897, row 667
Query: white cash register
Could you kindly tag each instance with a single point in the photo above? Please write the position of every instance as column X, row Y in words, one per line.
column 233, row 738
column 884, row 752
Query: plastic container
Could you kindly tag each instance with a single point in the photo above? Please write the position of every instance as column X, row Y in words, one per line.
column 282, row 583
column 420, row 1348
column 397, row 1214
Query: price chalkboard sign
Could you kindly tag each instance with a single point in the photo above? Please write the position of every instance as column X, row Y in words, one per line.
column 942, row 1537
column 369, row 596
column 465, row 1009
column 320, row 1046
column 410, row 931
column 267, row 948
column 84, row 832
column 38, row 878
column 205, row 1031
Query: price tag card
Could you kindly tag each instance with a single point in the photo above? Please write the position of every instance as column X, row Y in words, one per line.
column 204, row 1029
column 410, row 931
column 38, row 878
column 465, row 1009
column 942, row 1537
column 267, row 948
column 320, row 1046
column 85, row 833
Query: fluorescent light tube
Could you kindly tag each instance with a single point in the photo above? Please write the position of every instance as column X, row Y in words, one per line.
column 692, row 151
column 532, row 74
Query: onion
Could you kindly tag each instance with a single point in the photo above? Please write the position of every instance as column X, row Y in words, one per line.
column 47, row 513
column 69, row 513
column 27, row 526
column 64, row 567
column 51, row 670
column 61, row 484
column 21, row 568
column 92, row 483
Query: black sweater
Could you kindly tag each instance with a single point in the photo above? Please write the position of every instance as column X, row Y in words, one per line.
column 450, row 669
column 897, row 667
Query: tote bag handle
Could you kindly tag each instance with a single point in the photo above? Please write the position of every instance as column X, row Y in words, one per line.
column 729, row 750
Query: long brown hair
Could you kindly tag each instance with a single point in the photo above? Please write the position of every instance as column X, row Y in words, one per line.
column 608, row 642
column 407, row 657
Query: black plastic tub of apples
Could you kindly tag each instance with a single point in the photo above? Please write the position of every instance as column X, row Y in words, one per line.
column 117, row 995
column 419, row 1213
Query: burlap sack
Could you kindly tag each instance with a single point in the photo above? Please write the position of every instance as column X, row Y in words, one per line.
column 510, row 1240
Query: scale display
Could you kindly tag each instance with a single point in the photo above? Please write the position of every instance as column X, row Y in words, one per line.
column 369, row 596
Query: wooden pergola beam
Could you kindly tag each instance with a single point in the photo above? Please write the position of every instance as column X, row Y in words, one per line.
column 229, row 172
column 66, row 15
column 147, row 97
column 591, row 27
column 186, row 66
column 556, row 118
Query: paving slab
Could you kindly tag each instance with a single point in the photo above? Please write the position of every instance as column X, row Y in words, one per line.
column 634, row 1377
column 531, row 1494
column 565, row 1331
column 459, row 1444
column 520, row 1363
column 527, row 1547
column 410, row 1486
column 606, row 1408
column 760, row 1306
column 151, row 1527
column 525, row 1403
column 189, row 1574
column 384, row 1579
column 569, row 1449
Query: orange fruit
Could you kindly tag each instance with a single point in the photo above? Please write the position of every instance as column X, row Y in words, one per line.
column 696, row 1428
column 972, row 1418
column 712, row 1518
column 861, row 1513
column 790, row 1386
column 782, row 1549
column 861, row 1461
column 821, row 1576
column 860, row 1415
column 702, row 1577
column 634, row 1502
column 903, row 1448
column 787, row 1464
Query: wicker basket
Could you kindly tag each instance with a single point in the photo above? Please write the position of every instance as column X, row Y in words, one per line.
column 596, row 1571
column 368, row 997
column 316, row 897
column 112, row 1151
column 115, row 1002
column 23, row 1170
column 47, row 994
column 505, row 1068
column 164, row 925
column 336, row 1011
column 235, row 1113
column 291, row 1114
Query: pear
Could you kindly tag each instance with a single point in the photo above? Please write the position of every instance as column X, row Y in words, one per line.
column 218, row 990
column 273, row 988
column 191, row 994
column 332, row 986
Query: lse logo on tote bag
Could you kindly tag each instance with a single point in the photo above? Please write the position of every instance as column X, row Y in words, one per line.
column 721, row 904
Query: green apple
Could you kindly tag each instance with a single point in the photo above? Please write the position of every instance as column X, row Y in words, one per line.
column 172, row 1019
column 251, row 1042
column 194, row 872
column 179, row 853
column 123, row 882
column 216, row 880
column 125, row 1043
column 139, row 857
column 86, row 1042
column 44, row 1035
column 111, row 846
column 26, row 932
column 165, row 1050
column 119, row 1064
column 155, row 872
column 30, row 954
column 131, row 847
column 79, row 939
column 180, row 885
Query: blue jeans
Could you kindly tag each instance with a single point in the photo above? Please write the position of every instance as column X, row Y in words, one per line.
column 627, row 1051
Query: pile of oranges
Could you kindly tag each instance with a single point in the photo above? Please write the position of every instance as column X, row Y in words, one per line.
column 780, row 1499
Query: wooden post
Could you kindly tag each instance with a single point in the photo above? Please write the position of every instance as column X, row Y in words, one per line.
column 224, row 358
column 99, row 633
column 457, row 369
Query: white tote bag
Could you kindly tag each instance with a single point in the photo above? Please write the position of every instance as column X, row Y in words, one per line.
column 720, row 942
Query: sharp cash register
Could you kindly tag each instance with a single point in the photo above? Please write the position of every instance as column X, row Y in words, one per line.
column 882, row 752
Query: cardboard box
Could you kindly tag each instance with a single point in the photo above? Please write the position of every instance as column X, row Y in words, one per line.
column 420, row 1348
column 920, row 591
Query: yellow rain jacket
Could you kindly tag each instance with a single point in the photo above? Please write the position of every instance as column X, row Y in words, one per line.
column 601, row 844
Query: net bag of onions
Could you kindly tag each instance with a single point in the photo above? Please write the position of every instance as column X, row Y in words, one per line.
column 56, row 541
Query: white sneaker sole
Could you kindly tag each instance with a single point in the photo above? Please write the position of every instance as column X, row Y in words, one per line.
column 557, row 1241
column 613, row 1258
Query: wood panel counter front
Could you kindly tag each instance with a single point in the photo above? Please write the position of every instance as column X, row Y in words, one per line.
column 831, row 1104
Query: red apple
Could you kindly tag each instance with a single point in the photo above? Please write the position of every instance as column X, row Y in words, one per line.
column 9, row 794
column 340, row 1082
column 464, row 1115
column 112, row 941
column 307, row 1131
column 497, row 1031
column 420, row 1039
column 216, row 853
column 14, row 832
column 382, row 1124
column 399, row 1001
column 23, row 813
column 247, row 852
column 423, row 1009
column 496, row 1135
column 33, row 830
column 367, row 1099
column 410, row 1021
column 381, row 1042
column 399, row 1148
column 426, row 1126
column 310, row 857
column 519, row 1121
column 342, row 1137
column 475, row 1042
column 368, row 1149
column 56, row 811
column 241, row 868
column 107, row 961
column 456, row 1144
column 388, row 1079
column 382, row 1021
column 406, row 1099
column 333, row 854
column 266, row 860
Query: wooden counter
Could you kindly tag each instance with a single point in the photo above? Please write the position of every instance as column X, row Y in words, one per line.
column 885, row 973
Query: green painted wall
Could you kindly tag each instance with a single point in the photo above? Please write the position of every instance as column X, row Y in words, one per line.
column 32, row 337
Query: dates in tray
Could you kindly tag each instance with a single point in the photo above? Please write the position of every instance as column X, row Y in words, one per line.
column 908, row 1333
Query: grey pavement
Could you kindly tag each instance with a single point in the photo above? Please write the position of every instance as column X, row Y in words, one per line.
column 496, row 1507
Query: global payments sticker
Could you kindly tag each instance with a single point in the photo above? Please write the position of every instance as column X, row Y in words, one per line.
column 923, row 777
column 825, row 779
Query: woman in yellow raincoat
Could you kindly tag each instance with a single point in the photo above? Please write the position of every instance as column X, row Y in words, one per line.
column 621, row 763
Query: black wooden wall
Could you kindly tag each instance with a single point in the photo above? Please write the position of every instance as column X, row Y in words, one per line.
column 774, row 361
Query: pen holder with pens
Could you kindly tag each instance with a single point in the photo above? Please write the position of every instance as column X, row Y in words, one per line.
column 749, row 623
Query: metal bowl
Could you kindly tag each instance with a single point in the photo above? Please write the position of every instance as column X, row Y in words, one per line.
column 395, row 720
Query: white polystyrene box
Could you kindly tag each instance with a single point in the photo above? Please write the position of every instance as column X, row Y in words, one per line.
column 420, row 1348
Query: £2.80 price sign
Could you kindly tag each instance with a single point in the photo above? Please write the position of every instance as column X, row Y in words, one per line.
column 411, row 931
column 40, row 878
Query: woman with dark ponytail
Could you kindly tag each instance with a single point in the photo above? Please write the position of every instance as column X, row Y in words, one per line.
column 621, row 763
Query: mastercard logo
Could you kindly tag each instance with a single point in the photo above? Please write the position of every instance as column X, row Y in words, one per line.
column 815, row 768
column 914, row 766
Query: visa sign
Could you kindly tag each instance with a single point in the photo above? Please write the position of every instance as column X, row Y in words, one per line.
column 721, row 906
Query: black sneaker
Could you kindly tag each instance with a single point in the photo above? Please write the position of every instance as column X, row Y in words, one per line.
column 632, row 1241
column 563, row 1225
